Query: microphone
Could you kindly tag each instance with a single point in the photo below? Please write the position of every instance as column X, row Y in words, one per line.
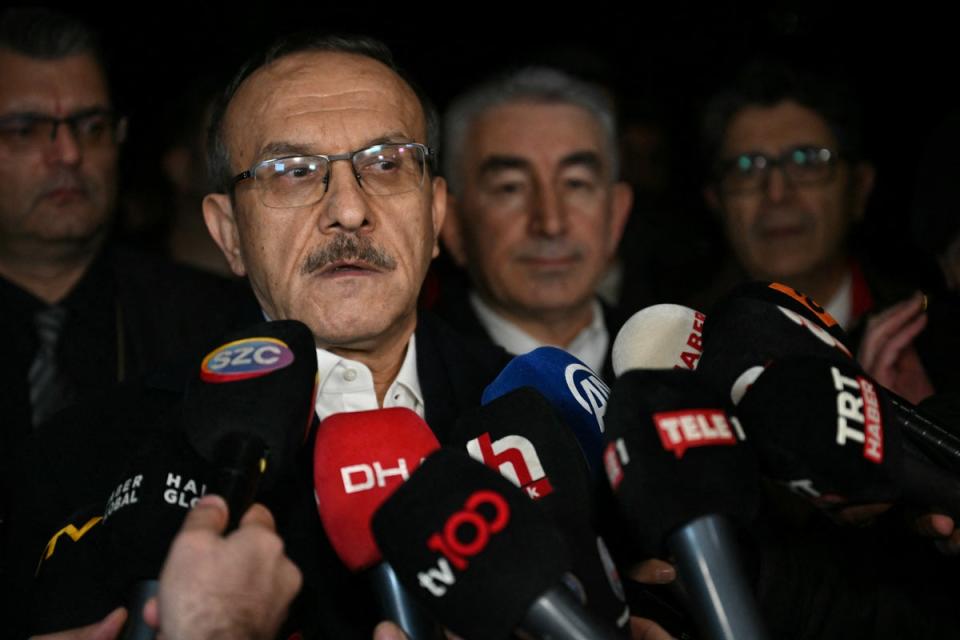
column 662, row 336
column 824, row 429
column 360, row 458
column 250, row 408
column 142, row 515
column 682, row 476
column 520, row 436
column 785, row 323
column 574, row 390
column 484, row 559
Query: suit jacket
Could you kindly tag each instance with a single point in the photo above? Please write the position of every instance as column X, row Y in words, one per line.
column 77, row 470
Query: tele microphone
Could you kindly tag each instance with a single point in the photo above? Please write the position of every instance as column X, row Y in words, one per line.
column 250, row 408
column 482, row 557
column 662, row 336
column 361, row 458
column 824, row 429
column 520, row 436
column 683, row 477
column 574, row 390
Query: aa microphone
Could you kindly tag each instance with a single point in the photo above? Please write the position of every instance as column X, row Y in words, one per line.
column 249, row 409
column 482, row 557
column 757, row 323
column 662, row 336
column 76, row 549
column 824, row 429
column 520, row 436
column 574, row 390
column 683, row 477
column 144, row 512
column 359, row 459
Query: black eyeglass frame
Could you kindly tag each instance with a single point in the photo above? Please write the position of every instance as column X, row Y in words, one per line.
column 116, row 122
column 830, row 158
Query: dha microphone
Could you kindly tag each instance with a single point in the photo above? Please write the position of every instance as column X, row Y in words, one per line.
column 662, row 336
column 786, row 323
column 361, row 458
column 520, row 436
column 574, row 390
column 824, row 429
column 481, row 556
column 249, row 410
column 681, row 474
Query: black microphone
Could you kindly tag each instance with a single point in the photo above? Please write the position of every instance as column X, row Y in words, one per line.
column 482, row 557
column 683, row 477
column 520, row 435
column 825, row 430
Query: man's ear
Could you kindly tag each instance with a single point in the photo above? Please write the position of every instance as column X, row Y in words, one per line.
column 621, row 204
column 221, row 222
column 864, row 175
column 452, row 233
column 438, row 211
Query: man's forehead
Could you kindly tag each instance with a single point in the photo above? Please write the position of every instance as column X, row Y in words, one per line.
column 327, row 101
column 55, row 86
column 776, row 128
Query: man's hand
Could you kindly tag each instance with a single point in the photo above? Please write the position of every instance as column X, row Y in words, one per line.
column 238, row 586
column 887, row 352
column 652, row 571
column 107, row 629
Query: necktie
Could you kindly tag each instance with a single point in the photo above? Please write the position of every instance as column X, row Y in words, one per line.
column 50, row 390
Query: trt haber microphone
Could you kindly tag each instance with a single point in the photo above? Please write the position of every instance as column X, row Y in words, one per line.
column 361, row 458
column 574, row 390
column 662, row 336
column 144, row 512
column 683, row 476
column 824, row 429
column 482, row 556
column 520, row 436
column 249, row 409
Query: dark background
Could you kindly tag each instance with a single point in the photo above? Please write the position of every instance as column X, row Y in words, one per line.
column 661, row 62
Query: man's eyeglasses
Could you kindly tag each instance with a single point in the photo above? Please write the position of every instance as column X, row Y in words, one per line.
column 749, row 172
column 90, row 128
column 300, row 181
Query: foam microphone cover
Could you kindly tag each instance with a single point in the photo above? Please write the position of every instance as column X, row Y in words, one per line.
column 801, row 415
column 359, row 459
column 520, row 436
column 662, row 336
column 744, row 332
column 469, row 545
column 786, row 296
column 673, row 455
column 573, row 388
column 74, row 584
column 253, row 401
column 148, row 503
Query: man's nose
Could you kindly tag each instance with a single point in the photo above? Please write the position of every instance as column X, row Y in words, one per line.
column 344, row 204
column 777, row 186
column 548, row 215
column 64, row 148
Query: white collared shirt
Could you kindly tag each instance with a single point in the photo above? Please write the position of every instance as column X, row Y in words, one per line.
column 840, row 305
column 347, row 385
column 590, row 345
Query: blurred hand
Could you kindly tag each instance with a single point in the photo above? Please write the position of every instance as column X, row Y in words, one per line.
column 107, row 629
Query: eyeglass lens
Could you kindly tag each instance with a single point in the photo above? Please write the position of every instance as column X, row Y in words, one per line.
column 801, row 166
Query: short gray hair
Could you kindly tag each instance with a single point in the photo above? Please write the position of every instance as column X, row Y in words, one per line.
column 542, row 85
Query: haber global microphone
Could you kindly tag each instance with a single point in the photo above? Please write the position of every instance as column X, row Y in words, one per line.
column 578, row 394
column 361, row 458
column 249, row 409
column 683, row 477
column 662, row 336
column 520, row 436
column 483, row 557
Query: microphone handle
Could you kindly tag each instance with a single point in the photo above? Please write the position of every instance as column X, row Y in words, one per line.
column 558, row 615
column 721, row 599
column 397, row 605
column 925, row 433
column 239, row 464
column 135, row 627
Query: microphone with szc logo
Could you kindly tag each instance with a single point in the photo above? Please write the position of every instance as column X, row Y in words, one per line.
column 480, row 555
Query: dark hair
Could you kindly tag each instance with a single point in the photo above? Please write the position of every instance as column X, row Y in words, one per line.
column 43, row 33
column 767, row 84
column 218, row 157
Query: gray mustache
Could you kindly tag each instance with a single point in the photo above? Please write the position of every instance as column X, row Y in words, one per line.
column 348, row 247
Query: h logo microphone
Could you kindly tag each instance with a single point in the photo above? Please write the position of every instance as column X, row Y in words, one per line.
column 516, row 459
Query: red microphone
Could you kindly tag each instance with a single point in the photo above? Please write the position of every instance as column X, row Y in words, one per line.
column 359, row 460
